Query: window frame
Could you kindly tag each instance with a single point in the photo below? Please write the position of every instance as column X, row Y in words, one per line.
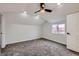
column 58, row 30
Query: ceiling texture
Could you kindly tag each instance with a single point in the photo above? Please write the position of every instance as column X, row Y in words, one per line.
column 59, row 11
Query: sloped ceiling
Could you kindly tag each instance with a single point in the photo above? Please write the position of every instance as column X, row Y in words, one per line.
column 18, row 18
column 59, row 12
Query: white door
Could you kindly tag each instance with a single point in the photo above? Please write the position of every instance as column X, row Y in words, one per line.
column 0, row 33
column 0, row 39
column 73, row 32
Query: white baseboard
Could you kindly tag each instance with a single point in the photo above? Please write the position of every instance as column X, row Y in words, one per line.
column 4, row 45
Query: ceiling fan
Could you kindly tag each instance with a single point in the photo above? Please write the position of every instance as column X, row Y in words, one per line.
column 42, row 9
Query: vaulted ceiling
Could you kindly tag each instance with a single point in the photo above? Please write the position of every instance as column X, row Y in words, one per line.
column 59, row 11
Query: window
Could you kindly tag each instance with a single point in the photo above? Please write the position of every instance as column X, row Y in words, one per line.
column 58, row 28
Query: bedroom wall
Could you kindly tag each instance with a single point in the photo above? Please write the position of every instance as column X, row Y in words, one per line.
column 47, row 33
column 17, row 33
column 0, row 24
column 19, row 28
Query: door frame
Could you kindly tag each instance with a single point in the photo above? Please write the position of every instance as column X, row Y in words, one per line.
column 3, row 32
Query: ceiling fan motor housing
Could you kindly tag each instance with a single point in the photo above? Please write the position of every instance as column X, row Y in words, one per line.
column 42, row 5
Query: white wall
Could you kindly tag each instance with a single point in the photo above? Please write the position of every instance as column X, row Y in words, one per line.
column 18, row 32
column 0, row 27
column 19, row 28
column 47, row 33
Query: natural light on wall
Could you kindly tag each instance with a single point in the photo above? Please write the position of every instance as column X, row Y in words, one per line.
column 58, row 28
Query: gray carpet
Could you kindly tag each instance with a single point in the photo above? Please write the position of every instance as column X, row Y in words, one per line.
column 40, row 47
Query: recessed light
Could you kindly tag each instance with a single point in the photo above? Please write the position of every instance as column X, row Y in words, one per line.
column 58, row 3
column 25, row 12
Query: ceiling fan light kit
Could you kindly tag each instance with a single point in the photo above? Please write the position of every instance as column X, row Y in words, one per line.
column 42, row 11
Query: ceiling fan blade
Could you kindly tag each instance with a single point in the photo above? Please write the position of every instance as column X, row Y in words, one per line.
column 48, row 10
column 37, row 11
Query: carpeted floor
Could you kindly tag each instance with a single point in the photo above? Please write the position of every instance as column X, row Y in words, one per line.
column 40, row 47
